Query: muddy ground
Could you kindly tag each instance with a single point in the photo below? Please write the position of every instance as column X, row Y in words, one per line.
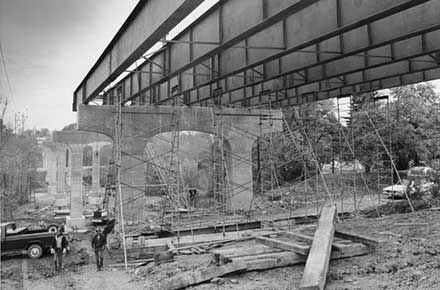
column 407, row 258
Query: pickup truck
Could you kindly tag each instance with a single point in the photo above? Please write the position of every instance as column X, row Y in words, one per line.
column 34, row 242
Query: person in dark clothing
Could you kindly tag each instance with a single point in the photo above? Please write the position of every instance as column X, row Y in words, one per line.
column 59, row 247
column 98, row 244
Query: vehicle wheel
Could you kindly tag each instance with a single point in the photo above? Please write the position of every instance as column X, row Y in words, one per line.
column 35, row 251
column 52, row 229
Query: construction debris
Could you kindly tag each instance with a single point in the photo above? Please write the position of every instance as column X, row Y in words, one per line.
column 262, row 257
column 196, row 277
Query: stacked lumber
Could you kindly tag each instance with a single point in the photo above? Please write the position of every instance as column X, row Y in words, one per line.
column 287, row 248
column 313, row 246
column 261, row 257
column 196, row 244
column 204, row 247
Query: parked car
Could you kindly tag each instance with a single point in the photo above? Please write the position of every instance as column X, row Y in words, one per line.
column 419, row 174
column 20, row 239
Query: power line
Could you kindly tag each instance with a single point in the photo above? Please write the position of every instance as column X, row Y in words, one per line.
column 6, row 71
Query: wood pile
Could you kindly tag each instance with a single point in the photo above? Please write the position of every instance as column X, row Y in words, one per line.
column 313, row 246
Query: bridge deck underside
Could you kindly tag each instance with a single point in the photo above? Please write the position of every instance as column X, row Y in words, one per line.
column 250, row 53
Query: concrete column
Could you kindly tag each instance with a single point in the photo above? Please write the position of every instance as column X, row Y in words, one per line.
column 240, row 173
column 96, row 188
column 76, row 195
column 60, row 170
column 133, row 179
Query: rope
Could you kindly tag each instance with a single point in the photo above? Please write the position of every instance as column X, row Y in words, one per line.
column 315, row 158
column 391, row 159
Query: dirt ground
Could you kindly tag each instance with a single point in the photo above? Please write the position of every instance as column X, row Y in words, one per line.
column 408, row 258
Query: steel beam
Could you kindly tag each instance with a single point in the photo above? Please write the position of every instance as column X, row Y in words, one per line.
column 309, row 47
column 341, row 69
column 394, row 79
column 378, row 15
column 372, row 43
column 291, row 9
column 147, row 24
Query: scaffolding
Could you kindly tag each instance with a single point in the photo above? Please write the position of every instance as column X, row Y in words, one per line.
column 118, row 162
column 314, row 187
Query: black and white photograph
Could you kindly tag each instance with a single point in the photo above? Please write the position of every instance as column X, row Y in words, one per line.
column 220, row 144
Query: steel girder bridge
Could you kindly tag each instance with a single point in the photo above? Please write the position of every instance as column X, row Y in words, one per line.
column 265, row 52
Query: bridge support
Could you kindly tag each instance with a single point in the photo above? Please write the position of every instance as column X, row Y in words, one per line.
column 240, row 127
column 69, row 146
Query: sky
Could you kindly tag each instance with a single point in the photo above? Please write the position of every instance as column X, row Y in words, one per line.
column 48, row 47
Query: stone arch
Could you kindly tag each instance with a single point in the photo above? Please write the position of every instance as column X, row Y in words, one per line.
column 197, row 168
column 146, row 121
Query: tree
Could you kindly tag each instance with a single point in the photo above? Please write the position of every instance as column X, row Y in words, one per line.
column 19, row 160
column 69, row 127
column 306, row 144
column 409, row 127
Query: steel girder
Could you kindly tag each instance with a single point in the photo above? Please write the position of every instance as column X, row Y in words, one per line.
column 147, row 24
column 408, row 72
column 290, row 52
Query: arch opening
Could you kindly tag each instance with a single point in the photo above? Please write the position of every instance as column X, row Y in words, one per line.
column 193, row 160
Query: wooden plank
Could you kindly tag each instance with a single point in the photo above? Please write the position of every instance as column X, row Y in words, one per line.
column 299, row 237
column 189, row 278
column 284, row 259
column 356, row 238
column 346, row 246
column 160, row 245
column 216, row 242
column 288, row 246
column 344, row 236
column 135, row 263
column 315, row 271
column 245, row 250
column 224, row 256
column 411, row 224
column 349, row 249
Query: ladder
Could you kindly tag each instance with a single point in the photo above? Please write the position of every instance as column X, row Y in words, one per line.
column 118, row 159
column 158, row 167
column 110, row 188
column 222, row 182
column 175, row 178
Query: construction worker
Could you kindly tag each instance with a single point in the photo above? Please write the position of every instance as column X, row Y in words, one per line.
column 59, row 247
column 192, row 192
column 99, row 242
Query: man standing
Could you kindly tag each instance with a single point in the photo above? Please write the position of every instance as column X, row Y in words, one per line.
column 59, row 246
column 98, row 244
